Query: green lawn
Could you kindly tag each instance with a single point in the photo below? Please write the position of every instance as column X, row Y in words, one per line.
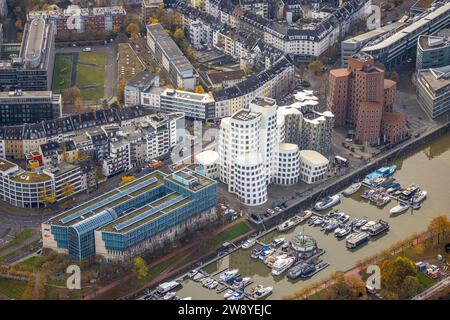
column 31, row 264
column 91, row 75
column 22, row 236
column 425, row 280
column 12, row 288
column 230, row 233
column 62, row 72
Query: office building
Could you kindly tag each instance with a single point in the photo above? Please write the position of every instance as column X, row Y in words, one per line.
column 20, row 107
column 313, row 166
column 433, row 90
column 353, row 45
column 138, row 86
column 358, row 96
column 402, row 45
column 32, row 70
column 200, row 106
column 138, row 217
column 252, row 153
column 169, row 56
column 432, row 52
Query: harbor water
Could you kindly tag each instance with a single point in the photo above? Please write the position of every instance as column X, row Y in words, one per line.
column 428, row 167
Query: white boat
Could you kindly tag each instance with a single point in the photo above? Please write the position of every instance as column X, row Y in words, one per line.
column 192, row 273
column 337, row 230
column 186, row 298
column 420, row 196
column 229, row 274
column 228, row 294
column 277, row 241
column 261, row 291
column 318, row 221
column 248, row 244
column 368, row 225
column 360, row 223
column 328, row 202
column 241, row 282
column 270, row 260
column 166, row 287
column 265, row 254
column 206, row 282
column 169, row 296
column 292, row 222
column 281, row 265
column 237, row 295
column 213, row 285
column 352, row 189
column 307, row 214
column 401, row 207
column 343, row 232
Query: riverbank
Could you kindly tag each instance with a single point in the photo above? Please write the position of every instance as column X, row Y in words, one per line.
column 330, row 188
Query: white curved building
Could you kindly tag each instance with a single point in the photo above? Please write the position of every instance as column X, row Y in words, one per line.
column 313, row 166
column 209, row 160
column 250, row 179
column 288, row 164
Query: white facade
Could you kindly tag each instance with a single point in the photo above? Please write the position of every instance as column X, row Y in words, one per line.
column 209, row 160
column 288, row 166
column 313, row 166
column 250, row 153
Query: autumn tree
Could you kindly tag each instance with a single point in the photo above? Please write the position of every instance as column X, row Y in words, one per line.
column 72, row 95
column 153, row 20
column 411, row 286
column 19, row 24
column 133, row 29
column 199, row 89
column 439, row 227
column 126, row 179
column 394, row 271
column 121, row 90
column 140, row 267
column 315, row 67
column 68, row 189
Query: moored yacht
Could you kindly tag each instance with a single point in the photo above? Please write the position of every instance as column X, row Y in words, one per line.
column 400, row 208
column 328, row 202
column 352, row 189
column 281, row 265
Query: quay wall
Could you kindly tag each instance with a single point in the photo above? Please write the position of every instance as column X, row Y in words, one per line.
column 342, row 182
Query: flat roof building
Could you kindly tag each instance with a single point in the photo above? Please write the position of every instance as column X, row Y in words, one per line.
column 170, row 57
column 432, row 52
column 136, row 217
column 32, row 70
column 433, row 90
column 20, row 107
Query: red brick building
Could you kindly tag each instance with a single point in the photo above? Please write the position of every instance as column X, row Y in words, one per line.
column 358, row 95
column 393, row 126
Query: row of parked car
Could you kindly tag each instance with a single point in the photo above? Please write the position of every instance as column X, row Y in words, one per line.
column 259, row 217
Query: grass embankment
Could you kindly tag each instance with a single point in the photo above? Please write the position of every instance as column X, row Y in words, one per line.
column 12, row 289
column 22, row 236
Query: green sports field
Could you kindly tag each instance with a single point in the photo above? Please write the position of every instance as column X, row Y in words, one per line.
column 90, row 74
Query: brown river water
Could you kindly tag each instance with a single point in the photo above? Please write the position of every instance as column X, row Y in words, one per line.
column 428, row 167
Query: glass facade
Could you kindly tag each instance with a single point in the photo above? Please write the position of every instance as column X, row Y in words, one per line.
column 145, row 212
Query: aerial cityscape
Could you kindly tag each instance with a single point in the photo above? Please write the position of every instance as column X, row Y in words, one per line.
column 252, row 150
